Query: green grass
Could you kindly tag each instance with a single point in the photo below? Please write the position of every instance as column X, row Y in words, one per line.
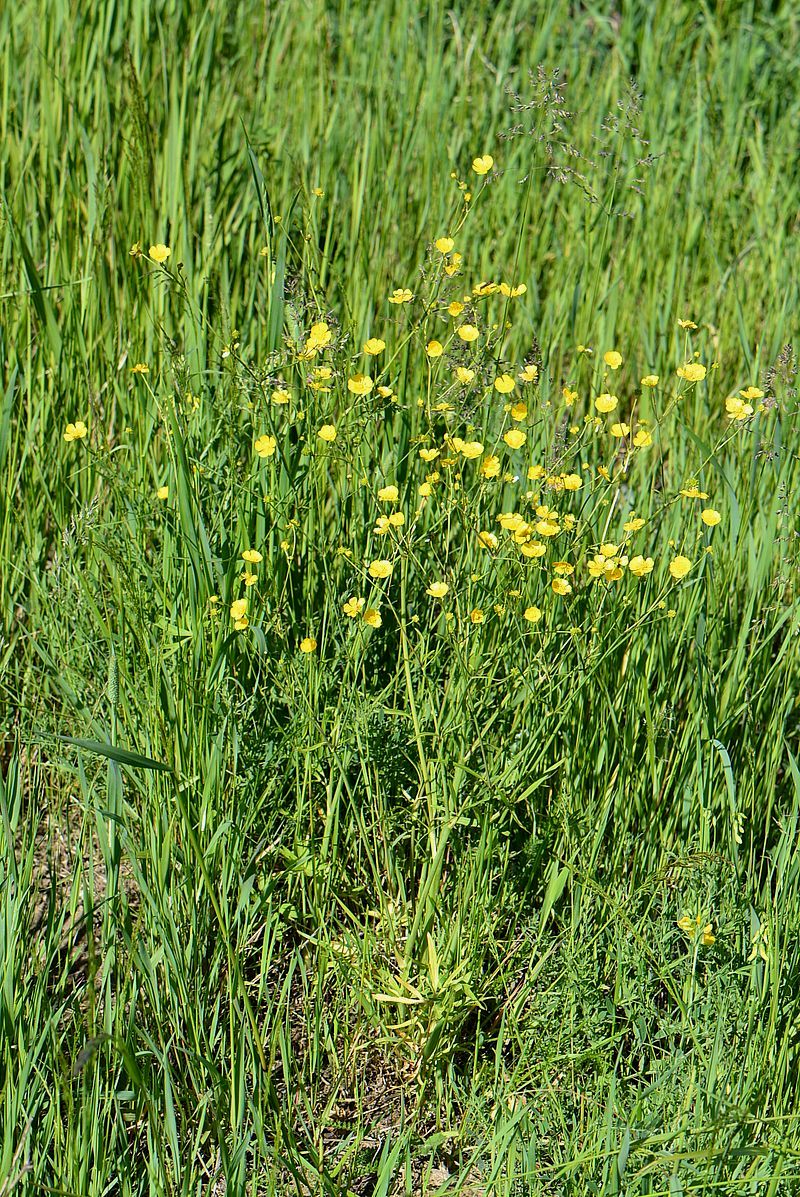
column 398, row 916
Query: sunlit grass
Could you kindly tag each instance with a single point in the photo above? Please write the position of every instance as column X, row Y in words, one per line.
column 399, row 642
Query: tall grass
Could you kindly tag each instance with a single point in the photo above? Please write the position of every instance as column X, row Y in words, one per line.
column 399, row 914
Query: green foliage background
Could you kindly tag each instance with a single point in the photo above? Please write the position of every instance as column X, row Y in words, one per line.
column 396, row 922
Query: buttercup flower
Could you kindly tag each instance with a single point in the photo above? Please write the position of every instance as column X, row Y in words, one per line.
column 327, row 433
column 612, row 359
column 483, row 165
column 265, row 445
column 76, row 431
column 159, row 253
column 692, row 372
column 679, row 567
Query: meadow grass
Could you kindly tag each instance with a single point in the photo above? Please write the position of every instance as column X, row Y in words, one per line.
column 417, row 851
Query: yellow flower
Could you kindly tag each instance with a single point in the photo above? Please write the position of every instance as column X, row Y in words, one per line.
column 483, row 165
column 467, row 332
column 612, row 359
column 487, row 540
column 504, row 384
column 532, row 548
column 690, row 491
column 397, row 519
column 372, row 617
column 455, row 308
column 710, row 517
column 533, row 614
column 453, row 266
column 308, row 645
column 620, row 429
column 327, row 433
column 634, row 524
column 76, row 431
column 434, row 349
column 437, row 589
column 470, row 449
column 401, row 295
column 752, row 393
column 444, row 244
column 692, row 372
column 162, row 493
column 686, row 324
column 239, row 612
column 515, row 438
column 561, row 586
column 319, row 338
column 679, row 567
column 265, row 445
column 359, row 384
column 529, row 373
column 159, row 253
column 518, row 412
column 640, row 566
column 572, row 482
column 737, row 409
column 252, row 556
column 476, row 615
column 380, row 569
column 643, row 438
column 568, row 396
column 536, row 471
column 280, row 396
column 388, row 494
column 490, row 467
column 374, row 346
column 353, row 607
column 547, row 527
column 605, row 402
column 512, row 292
column 650, row 380
column 429, row 454
column 464, row 374
column 140, row 368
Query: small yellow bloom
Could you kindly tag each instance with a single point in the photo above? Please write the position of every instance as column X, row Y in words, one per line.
column 455, row 308
column 605, row 402
column 476, row 615
column 686, row 324
column 353, row 607
column 515, row 438
column 380, row 569
column 692, row 372
column 401, row 295
column 76, row 431
column 490, row 467
column 266, row 445
column 359, row 384
column 162, row 493
column 640, row 566
column 437, row 589
column 483, row 165
column 372, row 617
column 679, row 567
column 561, row 586
column 710, row 517
column 737, row 409
column 252, row 556
column 572, row 482
column 140, row 368
column 612, row 359
column 643, row 438
column 428, row 455
column 487, row 540
column 529, row 373
column 467, row 332
column 280, row 396
column 533, row 614
column 239, row 611
column 650, row 380
column 434, row 349
column 464, row 375
column 374, row 346
column 470, row 449
column 504, row 384
column 308, row 645
column 327, row 433
column 620, row 429
column 388, row 494
column 444, row 244
column 159, row 253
